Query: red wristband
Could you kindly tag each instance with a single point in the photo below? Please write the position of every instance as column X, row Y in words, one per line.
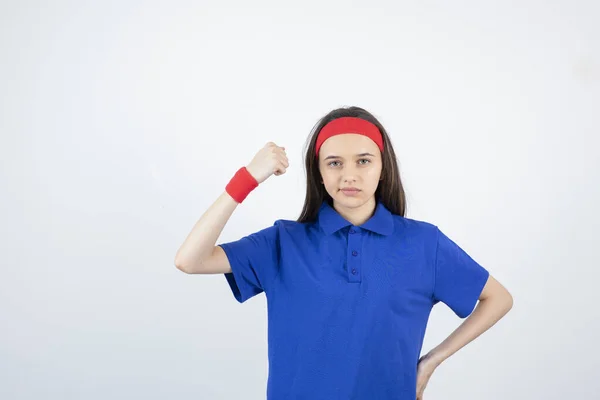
column 241, row 185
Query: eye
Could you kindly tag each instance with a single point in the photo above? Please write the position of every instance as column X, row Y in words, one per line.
column 362, row 159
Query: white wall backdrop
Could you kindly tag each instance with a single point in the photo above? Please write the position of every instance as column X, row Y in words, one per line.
column 122, row 121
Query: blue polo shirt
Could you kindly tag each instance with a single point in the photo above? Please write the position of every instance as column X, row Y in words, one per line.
column 347, row 305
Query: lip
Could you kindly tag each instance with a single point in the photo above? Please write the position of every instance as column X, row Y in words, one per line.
column 350, row 191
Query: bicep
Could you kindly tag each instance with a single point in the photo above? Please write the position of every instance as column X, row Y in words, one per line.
column 493, row 288
column 489, row 288
column 217, row 263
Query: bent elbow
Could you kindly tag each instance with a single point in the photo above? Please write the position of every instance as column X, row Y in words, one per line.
column 509, row 302
column 180, row 265
column 181, row 268
column 189, row 267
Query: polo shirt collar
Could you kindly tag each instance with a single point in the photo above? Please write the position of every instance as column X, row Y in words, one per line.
column 382, row 220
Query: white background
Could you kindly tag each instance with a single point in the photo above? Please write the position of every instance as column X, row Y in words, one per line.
column 122, row 121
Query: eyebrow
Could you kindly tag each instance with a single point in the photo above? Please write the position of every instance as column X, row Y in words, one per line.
column 358, row 155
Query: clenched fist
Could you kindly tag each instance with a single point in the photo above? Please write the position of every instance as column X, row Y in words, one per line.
column 269, row 160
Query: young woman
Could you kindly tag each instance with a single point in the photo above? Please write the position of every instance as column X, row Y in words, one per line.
column 350, row 285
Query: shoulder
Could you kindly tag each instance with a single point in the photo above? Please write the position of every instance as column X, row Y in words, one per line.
column 291, row 227
column 414, row 228
column 288, row 224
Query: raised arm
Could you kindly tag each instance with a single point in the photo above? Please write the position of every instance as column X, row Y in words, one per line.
column 198, row 253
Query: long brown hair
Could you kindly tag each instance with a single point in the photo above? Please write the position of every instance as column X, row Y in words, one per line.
column 389, row 191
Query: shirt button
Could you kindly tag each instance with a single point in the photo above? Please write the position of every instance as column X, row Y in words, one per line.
column 354, row 253
column 352, row 231
column 353, row 271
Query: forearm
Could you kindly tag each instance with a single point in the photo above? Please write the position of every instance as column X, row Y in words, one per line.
column 487, row 312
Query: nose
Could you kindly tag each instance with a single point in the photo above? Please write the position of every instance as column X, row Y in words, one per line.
column 349, row 175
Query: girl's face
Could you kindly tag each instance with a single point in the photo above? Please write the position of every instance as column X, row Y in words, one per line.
column 350, row 161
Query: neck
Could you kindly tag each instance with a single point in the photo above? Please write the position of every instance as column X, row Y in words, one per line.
column 357, row 215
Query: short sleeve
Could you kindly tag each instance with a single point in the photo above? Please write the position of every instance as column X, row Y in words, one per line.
column 254, row 261
column 459, row 279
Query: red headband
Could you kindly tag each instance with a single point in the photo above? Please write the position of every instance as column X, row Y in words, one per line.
column 349, row 125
